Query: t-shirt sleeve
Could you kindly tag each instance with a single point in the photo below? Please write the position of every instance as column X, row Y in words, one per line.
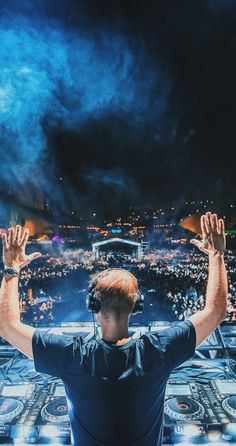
column 51, row 352
column 178, row 343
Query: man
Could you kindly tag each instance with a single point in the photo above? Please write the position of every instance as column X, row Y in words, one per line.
column 115, row 385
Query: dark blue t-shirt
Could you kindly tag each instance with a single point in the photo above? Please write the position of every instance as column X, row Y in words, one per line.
column 115, row 393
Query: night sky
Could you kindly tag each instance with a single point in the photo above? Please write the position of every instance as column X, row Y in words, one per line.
column 130, row 102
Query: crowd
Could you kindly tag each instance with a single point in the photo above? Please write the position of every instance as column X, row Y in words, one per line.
column 53, row 289
column 180, row 278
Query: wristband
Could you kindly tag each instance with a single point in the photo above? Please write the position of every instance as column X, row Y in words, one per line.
column 10, row 272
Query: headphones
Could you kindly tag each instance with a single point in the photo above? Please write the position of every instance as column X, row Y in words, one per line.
column 94, row 304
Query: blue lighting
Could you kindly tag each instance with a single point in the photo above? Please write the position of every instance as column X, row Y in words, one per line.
column 52, row 77
column 116, row 231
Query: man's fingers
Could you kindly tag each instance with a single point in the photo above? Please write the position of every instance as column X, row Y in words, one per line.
column 34, row 256
column 14, row 235
column 214, row 222
column 25, row 237
column 212, row 232
column 221, row 226
column 209, row 225
column 18, row 235
column 4, row 240
column 10, row 235
column 199, row 245
column 196, row 243
column 204, row 227
column 208, row 222
column 10, row 238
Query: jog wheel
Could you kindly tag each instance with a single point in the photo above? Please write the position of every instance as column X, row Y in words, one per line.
column 55, row 411
column 184, row 408
column 229, row 405
column 9, row 409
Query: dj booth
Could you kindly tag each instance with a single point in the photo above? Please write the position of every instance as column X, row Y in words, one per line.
column 200, row 400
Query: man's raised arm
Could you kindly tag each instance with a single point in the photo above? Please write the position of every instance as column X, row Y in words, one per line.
column 14, row 258
column 213, row 244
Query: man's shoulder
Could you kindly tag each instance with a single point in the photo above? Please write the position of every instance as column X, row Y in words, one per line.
column 48, row 339
column 169, row 330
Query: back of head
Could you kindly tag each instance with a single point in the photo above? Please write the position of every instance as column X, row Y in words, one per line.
column 117, row 290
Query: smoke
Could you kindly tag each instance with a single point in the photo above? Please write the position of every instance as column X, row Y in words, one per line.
column 134, row 76
column 55, row 78
column 114, row 179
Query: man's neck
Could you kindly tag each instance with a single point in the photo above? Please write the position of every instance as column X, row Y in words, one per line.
column 116, row 332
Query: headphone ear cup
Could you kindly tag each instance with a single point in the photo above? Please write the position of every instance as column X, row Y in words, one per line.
column 139, row 304
column 93, row 304
column 88, row 301
column 97, row 305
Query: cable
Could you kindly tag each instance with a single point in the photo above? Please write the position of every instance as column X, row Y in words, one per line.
column 94, row 328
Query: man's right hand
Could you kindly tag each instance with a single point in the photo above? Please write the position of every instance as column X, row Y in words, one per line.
column 14, row 244
column 213, row 235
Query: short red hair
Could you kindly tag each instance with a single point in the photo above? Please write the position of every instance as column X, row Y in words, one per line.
column 117, row 290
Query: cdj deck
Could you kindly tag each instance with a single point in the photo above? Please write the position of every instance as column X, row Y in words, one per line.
column 197, row 409
column 33, row 412
column 200, row 410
